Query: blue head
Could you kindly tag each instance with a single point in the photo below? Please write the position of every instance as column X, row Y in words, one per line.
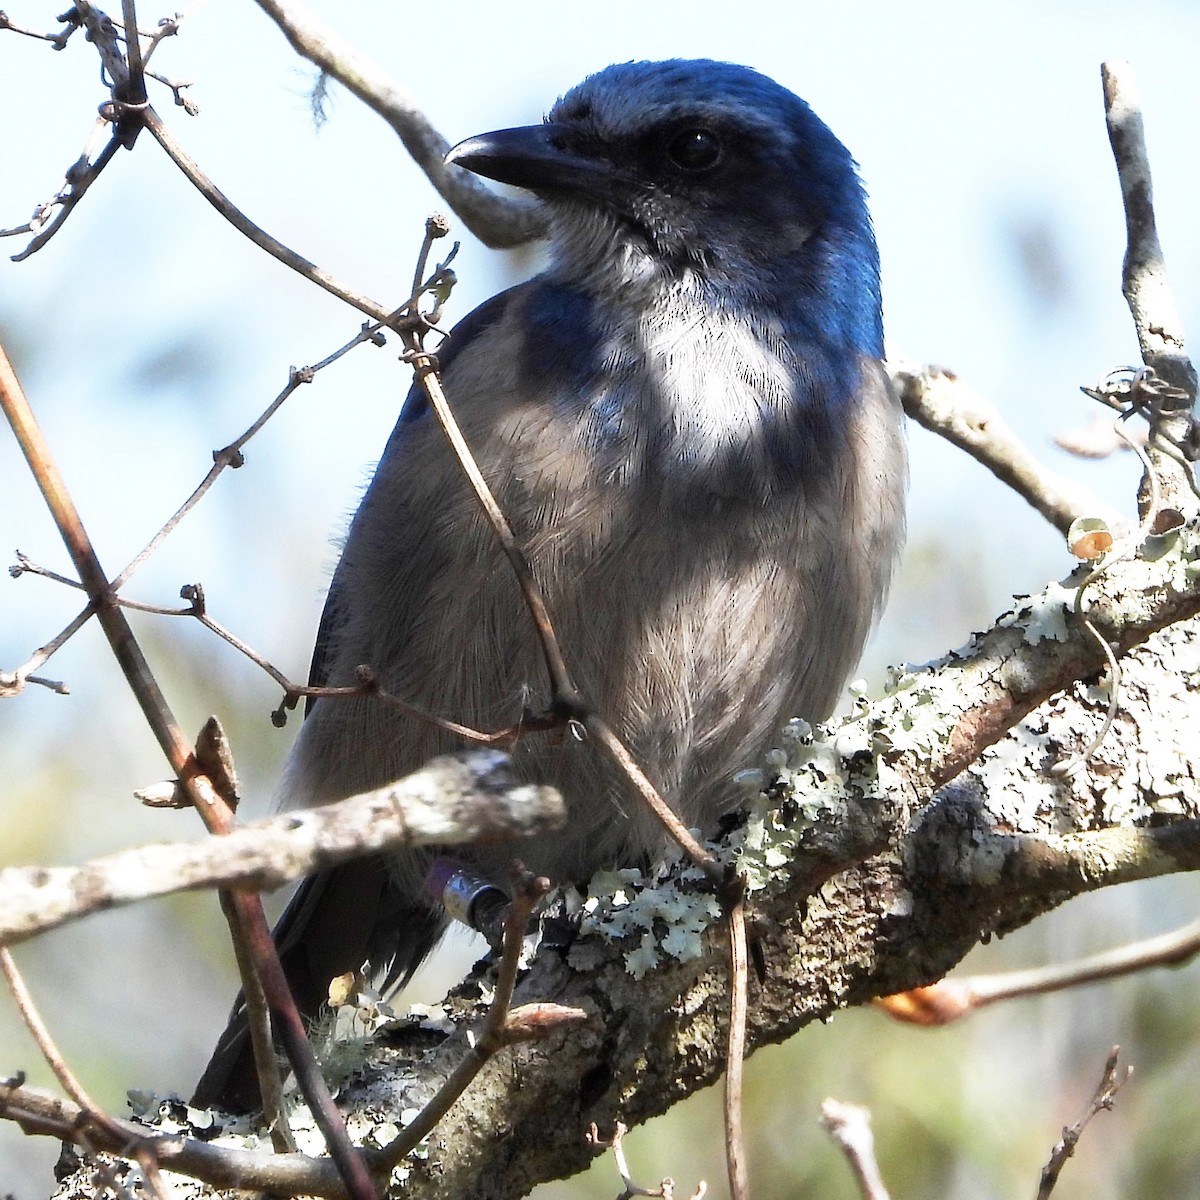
column 703, row 169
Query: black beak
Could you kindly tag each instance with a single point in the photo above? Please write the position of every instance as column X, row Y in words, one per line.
column 531, row 157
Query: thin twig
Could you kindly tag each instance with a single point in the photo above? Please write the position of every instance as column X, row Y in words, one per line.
column 567, row 701
column 231, row 455
column 45, row 1043
column 168, row 27
column 952, row 999
column 602, row 733
column 11, row 682
column 80, row 176
column 850, row 1126
column 57, row 40
column 26, row 566
column 53, row 685
column 137, row 1148
column 258, row 1021
column 735, row 1053
column 666, row 1186
column 1102, row 1100
column 368, row 685
column 215, row 757
column 215, row 813
column 37, row 1112
column 563, row 687
column 245, row 226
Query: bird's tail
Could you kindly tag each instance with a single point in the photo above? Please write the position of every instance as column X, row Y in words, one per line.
column 338, row 920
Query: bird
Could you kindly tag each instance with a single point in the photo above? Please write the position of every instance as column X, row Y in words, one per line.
column 686, row 419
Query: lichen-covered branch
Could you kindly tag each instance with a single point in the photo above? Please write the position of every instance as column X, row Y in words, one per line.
column 901, row 916
column 874, row 864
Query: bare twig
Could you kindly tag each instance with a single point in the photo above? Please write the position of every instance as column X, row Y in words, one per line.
column 735, row 1052
column 45, row 1043
column 245, row 226
column 57, row 40
column 567, row 701
column 120, row 119
column 231, row 455
column 950, row 999
column 79, row 177
column 37, row 1112
column 666, row 1187
column 12, row 682
column 602, row 733
column 496, row 220
column 1110, row 1082
column 177, row 86
column 167, row 27
column 1144, row 282
column 937, row 399
column 466, row 798
column 136, row 1147
column 258, row 1022
column 215, row 813
column 850, row 1126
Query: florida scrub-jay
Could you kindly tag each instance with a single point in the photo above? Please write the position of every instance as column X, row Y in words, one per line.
column 686, row 420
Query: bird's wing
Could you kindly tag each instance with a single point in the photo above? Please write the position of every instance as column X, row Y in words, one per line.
column 414, row 408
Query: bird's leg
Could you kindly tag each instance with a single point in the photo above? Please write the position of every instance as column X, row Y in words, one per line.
column 468, row 897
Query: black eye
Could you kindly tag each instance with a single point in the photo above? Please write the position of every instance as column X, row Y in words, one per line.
column 694, row 149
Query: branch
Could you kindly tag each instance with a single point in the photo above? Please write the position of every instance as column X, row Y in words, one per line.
column 39, row 1113
column 1144, row 282
column 896, row 915
column 469, row 798
column 941, row 402
column 850, row 1126
column 1102, row 1101
column 1144, row 273
column 922, row 874
column 952, row 999
column 497, row 221
column 259, row 236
